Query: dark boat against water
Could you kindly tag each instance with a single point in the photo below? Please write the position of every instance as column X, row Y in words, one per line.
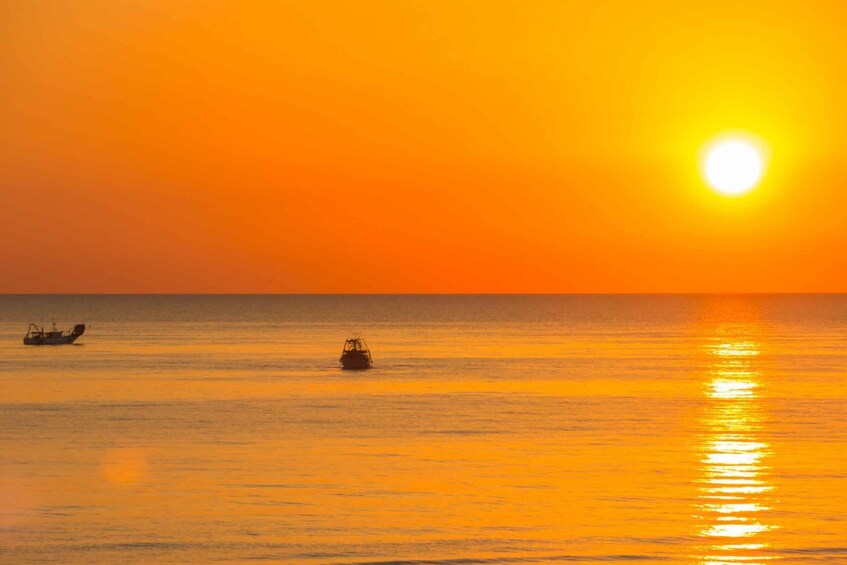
column 356, row 354
column 40, row 336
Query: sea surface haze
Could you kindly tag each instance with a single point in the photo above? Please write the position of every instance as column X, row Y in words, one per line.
column 492, row 429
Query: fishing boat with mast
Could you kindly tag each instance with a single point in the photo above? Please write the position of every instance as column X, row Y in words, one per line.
column 40, row 336
column 356, row 354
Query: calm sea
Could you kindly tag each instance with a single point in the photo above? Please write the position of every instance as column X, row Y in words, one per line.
column 492, row 429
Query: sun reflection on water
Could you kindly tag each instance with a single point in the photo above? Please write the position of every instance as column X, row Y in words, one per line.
column 734, row 487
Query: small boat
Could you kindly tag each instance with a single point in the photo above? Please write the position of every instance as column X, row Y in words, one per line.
column 356, row 354
column 40, row 336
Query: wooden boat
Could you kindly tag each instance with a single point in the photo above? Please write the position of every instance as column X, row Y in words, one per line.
column 40, row 336
column 356, row 354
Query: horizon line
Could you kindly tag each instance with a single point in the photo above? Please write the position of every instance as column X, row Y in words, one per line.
column 694, row 293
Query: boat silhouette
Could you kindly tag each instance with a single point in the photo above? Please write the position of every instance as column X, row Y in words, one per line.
column 40, row 336
column 356, row 354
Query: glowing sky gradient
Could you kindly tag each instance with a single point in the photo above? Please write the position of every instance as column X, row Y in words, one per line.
column 418, row 146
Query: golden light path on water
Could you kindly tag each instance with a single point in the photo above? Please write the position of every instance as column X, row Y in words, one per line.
column 735, row 494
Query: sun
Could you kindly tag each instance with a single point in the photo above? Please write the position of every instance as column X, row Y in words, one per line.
column 733, row 165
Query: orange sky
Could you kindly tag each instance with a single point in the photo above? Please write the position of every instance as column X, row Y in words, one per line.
column 424, row 146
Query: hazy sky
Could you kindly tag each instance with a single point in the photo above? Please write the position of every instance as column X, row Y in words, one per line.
column 418, row 146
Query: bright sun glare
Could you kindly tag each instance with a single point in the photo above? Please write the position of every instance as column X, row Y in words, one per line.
column 733, row 165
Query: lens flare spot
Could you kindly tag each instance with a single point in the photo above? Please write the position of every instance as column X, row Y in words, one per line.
column 124, row 466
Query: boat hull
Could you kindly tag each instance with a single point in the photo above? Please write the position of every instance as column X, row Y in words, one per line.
column 63, row 340
column 355, row 362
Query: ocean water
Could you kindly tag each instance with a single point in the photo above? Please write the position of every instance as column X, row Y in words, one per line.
column 492, row 429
